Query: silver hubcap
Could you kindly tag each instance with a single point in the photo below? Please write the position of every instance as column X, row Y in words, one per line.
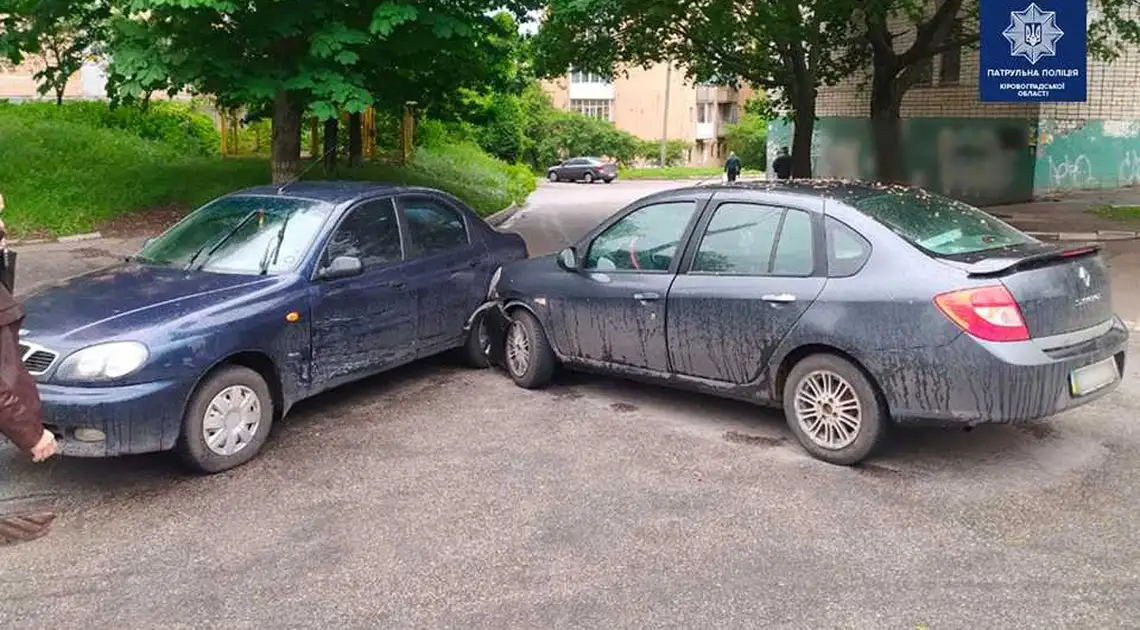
column 828, row 410
column 232, row 419
column 518, row 350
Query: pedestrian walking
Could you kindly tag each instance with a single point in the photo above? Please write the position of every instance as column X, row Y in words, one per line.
column 783, row 164
column 19, row 399
column 732, row 167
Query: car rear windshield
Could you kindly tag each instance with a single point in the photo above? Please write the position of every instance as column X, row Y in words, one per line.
column 939, row 225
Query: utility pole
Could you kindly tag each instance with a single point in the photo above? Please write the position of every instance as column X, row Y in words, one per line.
column 665, row 117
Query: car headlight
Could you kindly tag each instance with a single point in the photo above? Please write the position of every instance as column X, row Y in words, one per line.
column 103, row 362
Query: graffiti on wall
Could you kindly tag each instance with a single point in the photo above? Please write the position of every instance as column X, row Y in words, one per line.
column 1087, row 154
column 979, row 160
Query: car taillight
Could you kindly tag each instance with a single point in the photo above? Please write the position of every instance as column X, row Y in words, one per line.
column 988, row 313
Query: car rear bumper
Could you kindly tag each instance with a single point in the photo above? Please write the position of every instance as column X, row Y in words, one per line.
column 969, row 382
column 141, row 418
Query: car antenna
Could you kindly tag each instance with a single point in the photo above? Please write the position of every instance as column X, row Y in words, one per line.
column 308, row 168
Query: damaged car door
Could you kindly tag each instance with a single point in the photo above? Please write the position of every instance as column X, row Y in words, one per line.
column 612, row 310
column 363, row 314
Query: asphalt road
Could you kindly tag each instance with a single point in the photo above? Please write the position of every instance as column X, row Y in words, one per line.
column 439, row 497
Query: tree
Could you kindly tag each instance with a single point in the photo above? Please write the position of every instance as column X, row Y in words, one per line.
column 789, row 46
column 748, row 137
column 64, row 34
column 321, row 57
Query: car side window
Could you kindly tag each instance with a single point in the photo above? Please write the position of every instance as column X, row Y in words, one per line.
column 369, row 232
column 739, row 240
column 646, row 239
column 847, row 250
column 433, row 227
column 795, row 250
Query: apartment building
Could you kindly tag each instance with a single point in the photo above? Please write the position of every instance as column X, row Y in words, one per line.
column 987, row 153
column 695, row 114
column 17, row 83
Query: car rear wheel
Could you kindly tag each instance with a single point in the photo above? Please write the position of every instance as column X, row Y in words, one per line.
column 227, row 421
column 552, row 176
column 609, row 180
column 588, row 178
column 834, row 410
column 530, row 359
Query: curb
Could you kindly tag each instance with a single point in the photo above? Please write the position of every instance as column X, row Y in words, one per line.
column 1100, row 235
column 500, row 217
column 90, row 236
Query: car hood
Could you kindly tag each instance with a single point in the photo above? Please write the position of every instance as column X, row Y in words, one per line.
column 126, row 298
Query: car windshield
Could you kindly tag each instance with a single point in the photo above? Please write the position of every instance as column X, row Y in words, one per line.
column 940, row 225
column 242, row 232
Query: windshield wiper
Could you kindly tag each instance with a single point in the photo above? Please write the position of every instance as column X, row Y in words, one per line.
column 276, row 245
column 217, row 245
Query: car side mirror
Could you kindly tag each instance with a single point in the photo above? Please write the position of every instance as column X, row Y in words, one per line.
column 341, row 267
column 568, row 259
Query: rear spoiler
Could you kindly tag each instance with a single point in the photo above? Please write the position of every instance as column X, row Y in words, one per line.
column 990, row 267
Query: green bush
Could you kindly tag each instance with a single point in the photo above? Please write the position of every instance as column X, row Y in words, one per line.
column 749, row 139
column 176, row 124
column 675, row 150
column 60, row 177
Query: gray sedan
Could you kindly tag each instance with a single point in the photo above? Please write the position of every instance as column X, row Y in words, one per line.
column 854, row 307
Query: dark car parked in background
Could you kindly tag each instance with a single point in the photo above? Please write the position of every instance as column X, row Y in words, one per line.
column 584, row 169
column 848, row 305
column 251, row 303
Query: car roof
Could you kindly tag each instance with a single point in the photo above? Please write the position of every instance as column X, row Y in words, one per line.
column 334, row 192
column 843, row 190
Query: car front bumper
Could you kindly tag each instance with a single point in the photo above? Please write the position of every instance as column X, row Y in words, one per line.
column 132, row 419
column 970, row 382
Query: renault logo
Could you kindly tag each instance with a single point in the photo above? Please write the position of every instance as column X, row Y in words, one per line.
column 1083, row 274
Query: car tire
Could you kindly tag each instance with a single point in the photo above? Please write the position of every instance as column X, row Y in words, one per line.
column 475, row 351
column 822, row 394
column 231, row 384
column 552, row 176
column 588, row 178
column 538, row 369
column 609, row 180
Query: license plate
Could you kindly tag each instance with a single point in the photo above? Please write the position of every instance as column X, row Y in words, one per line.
column 1093, row 377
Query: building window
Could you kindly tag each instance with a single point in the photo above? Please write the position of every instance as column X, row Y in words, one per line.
column 950, row 72
column 730, row 113
column 578, row 76
column 596, row 108
column 925, row 73
column 704, row 112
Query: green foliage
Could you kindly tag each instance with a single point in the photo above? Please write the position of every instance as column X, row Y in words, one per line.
column 63, row 33
column 177, row 125
column 749, row 139
column 64, row 177
column 675, row 151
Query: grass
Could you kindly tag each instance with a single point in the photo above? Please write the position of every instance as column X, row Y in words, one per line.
column 61, row 178
column 1118, row 213
column 679, row 172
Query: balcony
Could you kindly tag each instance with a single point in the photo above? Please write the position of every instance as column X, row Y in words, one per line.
column 717, row 94
column 706, row 131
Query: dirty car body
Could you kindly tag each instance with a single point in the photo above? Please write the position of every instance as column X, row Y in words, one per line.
column 289, row 292
column 926, row 310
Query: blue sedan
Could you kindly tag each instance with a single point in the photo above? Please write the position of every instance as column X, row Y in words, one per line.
column 252, row 303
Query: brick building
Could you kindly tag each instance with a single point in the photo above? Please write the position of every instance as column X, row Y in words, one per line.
column 697, row 114
column 987, row 152
column 17, row 83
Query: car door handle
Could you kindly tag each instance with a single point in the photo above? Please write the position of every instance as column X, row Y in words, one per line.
column 646, row 297
column 779, row 298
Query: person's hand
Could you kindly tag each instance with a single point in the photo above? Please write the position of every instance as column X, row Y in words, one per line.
column 46, row 447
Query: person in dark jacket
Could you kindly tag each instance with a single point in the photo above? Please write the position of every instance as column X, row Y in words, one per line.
column 19, row 399
column 783, row 164
column 732, row 167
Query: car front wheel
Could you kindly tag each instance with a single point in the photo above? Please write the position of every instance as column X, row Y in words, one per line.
column 530, row 359
column 227, row 421
column 833, row 410
column 552, row 176
column 588, row 178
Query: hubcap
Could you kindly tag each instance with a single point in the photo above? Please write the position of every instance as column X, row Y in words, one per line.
column 232, row 419
column 828, row 410
column 518, row 350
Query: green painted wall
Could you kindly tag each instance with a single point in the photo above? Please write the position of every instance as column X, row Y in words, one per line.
column 1088, row 154
column 980, row 160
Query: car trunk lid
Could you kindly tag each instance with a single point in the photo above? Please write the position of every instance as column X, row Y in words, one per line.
column 1058, row 289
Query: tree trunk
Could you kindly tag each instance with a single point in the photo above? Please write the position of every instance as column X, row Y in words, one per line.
column 355, row 140
column 59, row 95
column 332, row 131
column 287, row 112
column 886, row 129
column 803, row 128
